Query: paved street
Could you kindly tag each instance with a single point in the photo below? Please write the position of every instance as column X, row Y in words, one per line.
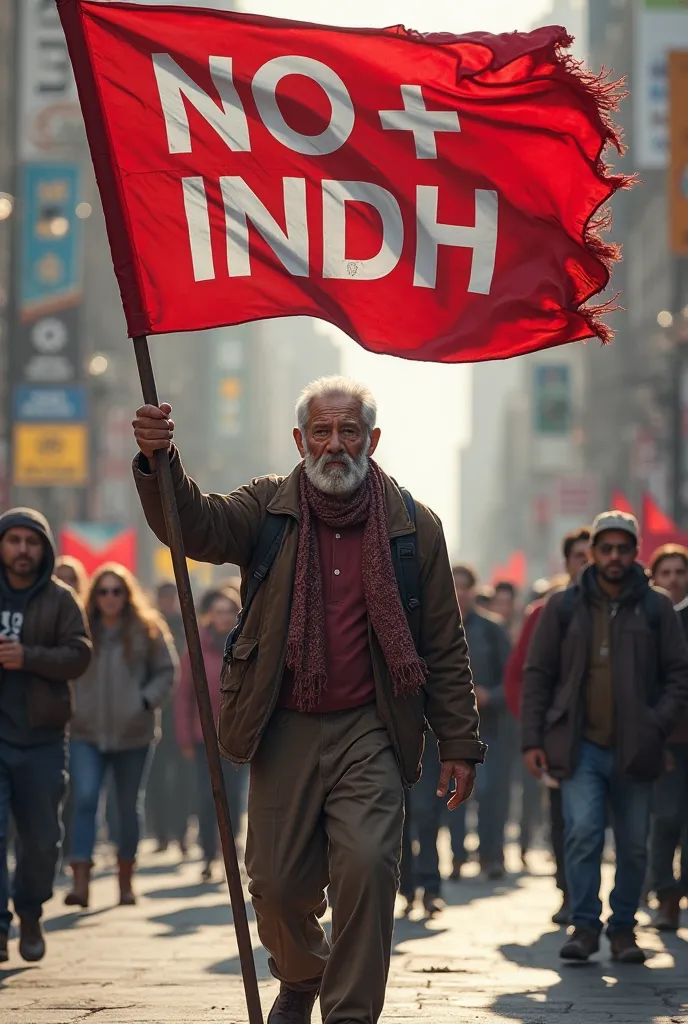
column 492, row 957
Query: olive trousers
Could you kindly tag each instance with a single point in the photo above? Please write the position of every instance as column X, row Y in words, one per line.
column 326, row 808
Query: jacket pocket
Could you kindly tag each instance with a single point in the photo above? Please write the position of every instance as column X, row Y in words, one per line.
column 236, row 665
column 50, row 704
column 558, row 740
column 644, row 758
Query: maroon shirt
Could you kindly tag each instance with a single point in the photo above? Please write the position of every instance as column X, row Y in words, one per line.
column 350, row 681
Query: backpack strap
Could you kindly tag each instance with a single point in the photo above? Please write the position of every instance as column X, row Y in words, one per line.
column 567, row 608
column 265, row 552
column 407, row 570
column 652, row 605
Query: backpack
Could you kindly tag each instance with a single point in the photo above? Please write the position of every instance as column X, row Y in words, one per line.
column 404, row 553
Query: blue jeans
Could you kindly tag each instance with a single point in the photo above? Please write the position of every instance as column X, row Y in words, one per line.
column 426, row 813
column 236, row 786
column 594, row 786
column 88, row 766
column 492, row 794
column 669, row 820
column 32, row 787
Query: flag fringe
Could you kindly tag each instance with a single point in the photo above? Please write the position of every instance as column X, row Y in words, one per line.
column 603, row 95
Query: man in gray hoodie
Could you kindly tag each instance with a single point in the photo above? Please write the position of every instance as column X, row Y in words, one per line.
column 44, row 643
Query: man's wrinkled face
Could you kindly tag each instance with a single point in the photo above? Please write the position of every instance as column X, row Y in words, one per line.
column 579, row 557
column 21, row 551
column 672, row 575
column 614, row 553
column 336, row 445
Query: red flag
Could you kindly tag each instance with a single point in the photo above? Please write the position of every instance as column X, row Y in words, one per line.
column 655, row 519
column 621, row 502
column 436, row 197
column 514, row 570
column 94, row 544
column 658, row 528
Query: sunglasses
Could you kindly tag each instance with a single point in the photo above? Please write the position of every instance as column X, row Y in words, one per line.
column 621, row 549
column 110, row 591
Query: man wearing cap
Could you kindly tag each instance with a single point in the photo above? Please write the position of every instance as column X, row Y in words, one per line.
column 605, row 680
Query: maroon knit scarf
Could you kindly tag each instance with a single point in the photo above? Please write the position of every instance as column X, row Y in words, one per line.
column 306, row 639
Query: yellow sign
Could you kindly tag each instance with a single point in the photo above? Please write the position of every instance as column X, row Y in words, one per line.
column 678, row 165
column 50, row 454
column 201, row 572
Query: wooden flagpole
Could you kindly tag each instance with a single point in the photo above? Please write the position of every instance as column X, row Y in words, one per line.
column 193, row 639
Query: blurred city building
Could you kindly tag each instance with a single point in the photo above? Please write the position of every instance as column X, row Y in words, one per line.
column 576, row 425
column 69, row 386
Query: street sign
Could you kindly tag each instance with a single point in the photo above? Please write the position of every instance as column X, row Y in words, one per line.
column 50, row 454
column 36, row 405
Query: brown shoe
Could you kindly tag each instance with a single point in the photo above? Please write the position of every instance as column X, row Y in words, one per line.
column 668, row 916
column 625, row 948
column 581, row 945
column 81, row 880
column 126, row 870
column 31, row 941
column 4, row 955
column 292, row 1007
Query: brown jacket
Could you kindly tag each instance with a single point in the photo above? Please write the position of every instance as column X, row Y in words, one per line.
column 57, row 650
column 649, row 667
column 221, row 529
column 48, row 620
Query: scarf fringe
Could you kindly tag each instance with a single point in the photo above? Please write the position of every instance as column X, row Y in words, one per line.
column 308, row 686
column 408, row 680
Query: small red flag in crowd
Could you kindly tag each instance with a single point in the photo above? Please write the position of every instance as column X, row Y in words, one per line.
column 436, row 197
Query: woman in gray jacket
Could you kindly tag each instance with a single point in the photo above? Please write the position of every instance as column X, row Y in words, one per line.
column 115, row 719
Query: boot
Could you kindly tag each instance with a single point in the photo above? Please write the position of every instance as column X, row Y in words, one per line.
column 81, row 880
column 4, row 955
column 31, row 941
column 581, row 945
column 126, row 870
column 292, row 1007
column 625, row 948
column 668, row 916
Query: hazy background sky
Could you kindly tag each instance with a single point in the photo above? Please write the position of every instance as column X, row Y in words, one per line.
column 423, row 406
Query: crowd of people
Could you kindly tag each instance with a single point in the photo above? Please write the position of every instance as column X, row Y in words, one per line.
column 121, row 756
column 347, row 686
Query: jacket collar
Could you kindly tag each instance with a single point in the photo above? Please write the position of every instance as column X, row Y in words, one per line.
column 682, row 605
column 286, row 502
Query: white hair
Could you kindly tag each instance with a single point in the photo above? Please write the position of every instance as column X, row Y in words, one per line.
column 328, row 387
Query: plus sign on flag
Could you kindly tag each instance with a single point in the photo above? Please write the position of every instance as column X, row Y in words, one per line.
column 435, row 197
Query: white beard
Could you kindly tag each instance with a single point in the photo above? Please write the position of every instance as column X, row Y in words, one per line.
column 340, row 481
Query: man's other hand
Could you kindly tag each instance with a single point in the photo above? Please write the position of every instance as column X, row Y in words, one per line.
column 153, row 428
column 11, row 654
column 536, row 762
column 463, row 773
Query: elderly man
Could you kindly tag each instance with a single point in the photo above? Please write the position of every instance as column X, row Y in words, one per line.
column 325, row 692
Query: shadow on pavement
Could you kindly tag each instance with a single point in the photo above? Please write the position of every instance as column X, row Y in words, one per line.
column 187, row 892
column 11, row 972
column 599, row 989
column 232, row 966
column 74, row 917
column 194, row 918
